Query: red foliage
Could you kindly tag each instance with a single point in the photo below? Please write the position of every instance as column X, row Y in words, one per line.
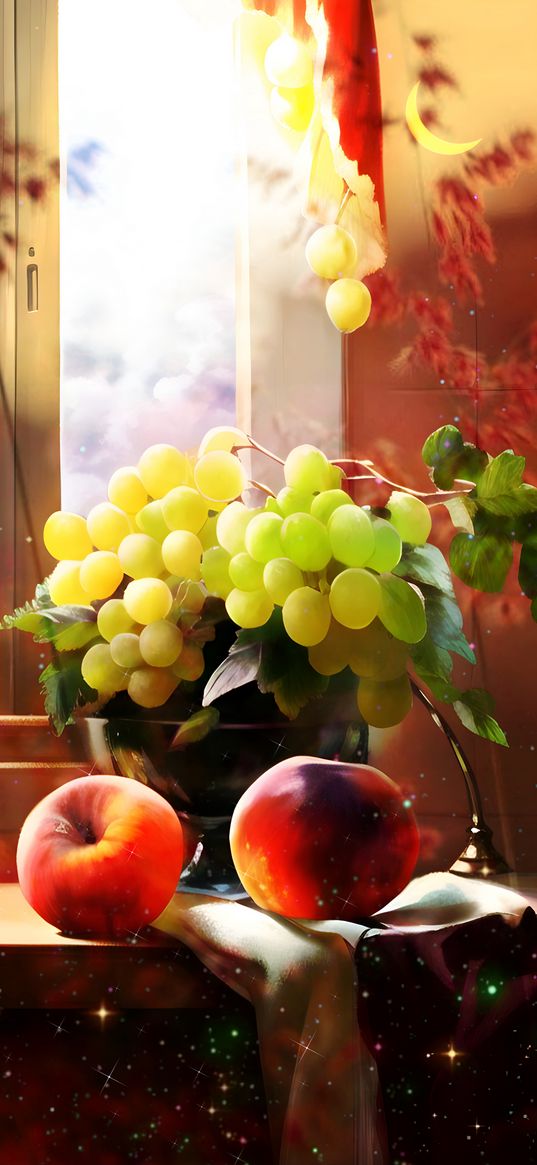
column 388, row 303
column 425, row 43
column 35, row 188
column 434, row 77
column 435, row 313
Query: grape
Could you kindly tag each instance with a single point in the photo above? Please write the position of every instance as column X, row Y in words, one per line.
column 331, row 252
column 336, row 476
column 181, row 553
column 161, row 643
column 100, row 672
column 207, row 535
column 150, row 687
column 161, row 468
column 280, row 578
column 292, row 501
column 141, row 556
column 219, row 476
column 191, row 664
column 376, row 654
column 263, row 537
column 113, row 619
column 126, row 490
column 324, row 504
column 245, row 573
column 306, row 542
column 185, row 509
column 348, row 303
column 101, row 573
column 249, row 608
column 410, row 516
column 107, row 526
column 147, row 599
column 150, row 520
column 402, row 610
column 388, row 547
column 355, row 597
column 125, row 650
column 307, row 469
column 384, row 704
column 215, row 572
column 306, row 616
column 223, row 437
column 351, row 535
column 292, row 108
column 288, row 63
column 231, row 526
column 191, row 596
column 331, row 655
column 272, row 507
column 65, row 586
column 66, row 536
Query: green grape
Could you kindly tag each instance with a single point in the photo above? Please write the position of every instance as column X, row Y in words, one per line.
column 150, row 687
column 66, row 536
column 191, row 596
column 249, row 608
column 107, row 526
column 292, row 501
column 351, row 535
column 147, row 599
column 150, row 520
column 181, row 554
column 125, row 650
column 65, row 586
column 271, row 507
column 161, row 468
column 100, row 672
column 207, row 535
column 190, row 665
column 324, row 504
column 231, row 526
column 222, row 437
column 410, row 516
column 355, row 597
column 292, row 108
column 377, row 655
column 219, row 476
column 263, row 537
column 305, row 541
column 141, row 556
column 336, row 476
column 288, row 63
column 215, row 571
column 185, row 509
column 384, row 704
column 402, row 610
column 348, row 303
column 126, row 490
column 101, row 573
column 245, row 573
column 331, row 252
column 388, row 547
column 114, row 619
column 306, row 616
column 161, row 643
column 280, row 578
column 331, row 655
column 307, row 469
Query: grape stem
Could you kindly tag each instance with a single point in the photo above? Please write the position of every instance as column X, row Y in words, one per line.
column 251, row 444
column 264, row 489
column 430, row 499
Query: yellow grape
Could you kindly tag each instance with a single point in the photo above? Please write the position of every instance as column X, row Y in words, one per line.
column 324, row 504
column 348, row 303
column 161, row 468
column 249, row 608
column 147, row 599
column 161, row 643
column 191, row 596
column 388, row 546
column 245, row 573
column 190, row 665
column 126, row 490
column 292, row 108
column 141, row 556
column 351, row 535
column 410, row 516
column 231, row 526
column 181, row 553
column 150, row 520
column 292, row 501
column 280, row 578
column 331, row 655
column 305, row 541
column 65, row 586
column 150, row 687
column 288, row 63
column 66, row 536
column 355, row 598
column 215, row 571
column 113, row 619
column 185, row 509
column 263, row 537
column 100, row 672
column 307, row 470
column 207, row 535
column 219, row 476
column 222, row 437
column 384, row 704
column 306, row 616
column 101, row 573
column 331, row 252
column 125, row 650
column 377, row 655
column 107, row 526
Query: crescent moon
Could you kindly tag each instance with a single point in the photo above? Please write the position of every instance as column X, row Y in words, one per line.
column 424, row 136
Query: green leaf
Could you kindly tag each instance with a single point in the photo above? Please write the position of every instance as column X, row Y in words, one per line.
column 527, row 571
column 482, row 561
column 444, row 624
column 195, row 728
column 64, row 689
column 75, row 636
column 500, row 489
column 440, row 452
column 286, row 672
column 461, row 511
column 431, row 661
column 474, row 710
column 42, row 593
column 402, row 609
column 25, row 618
column 239, row 667
column 425, row 564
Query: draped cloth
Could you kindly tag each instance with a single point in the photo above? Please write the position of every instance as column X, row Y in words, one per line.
column 321, row 1079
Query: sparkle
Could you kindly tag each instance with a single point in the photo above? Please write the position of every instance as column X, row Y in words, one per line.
column 57, row 1029
column 103, row 1013
column 108, row 1076
column 198, row 1071
column 307, row 1047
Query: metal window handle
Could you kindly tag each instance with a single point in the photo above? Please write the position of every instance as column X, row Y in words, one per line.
column 32, row 287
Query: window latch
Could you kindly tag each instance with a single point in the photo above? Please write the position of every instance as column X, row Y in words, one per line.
column 32, row 287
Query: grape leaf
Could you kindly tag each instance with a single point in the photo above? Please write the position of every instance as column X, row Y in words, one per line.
column 433, row 664
column 444, row 624
column 500, row 489
column 67, row 627
column 425, row 564
column 527, row 571
column 482, row 561
column 401, row 609
column 440, row 453
column 286, row 672
column 64, row 689
column 461, row 511
column 474, row 710
column 195, row 728
column 240, row 666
